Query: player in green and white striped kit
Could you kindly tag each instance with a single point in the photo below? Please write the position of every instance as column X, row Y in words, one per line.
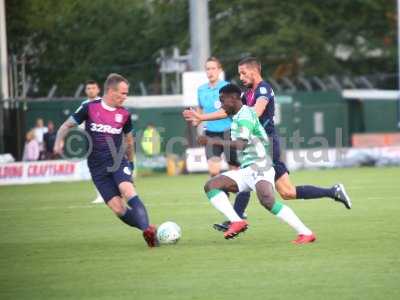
column 256, row 172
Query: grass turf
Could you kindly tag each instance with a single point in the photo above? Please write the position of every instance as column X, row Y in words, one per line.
column 54, row 244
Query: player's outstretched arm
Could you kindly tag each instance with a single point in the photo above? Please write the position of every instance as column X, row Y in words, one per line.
column 192, row 115
column 239, row 144
column 61, row 133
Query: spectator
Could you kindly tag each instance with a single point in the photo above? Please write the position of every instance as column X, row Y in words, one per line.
column 31, row 148
column 39, row 132
column 49, row 139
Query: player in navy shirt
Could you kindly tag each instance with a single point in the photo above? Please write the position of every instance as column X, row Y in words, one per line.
column 260, row 95
column 92, row 91
column 110, row 161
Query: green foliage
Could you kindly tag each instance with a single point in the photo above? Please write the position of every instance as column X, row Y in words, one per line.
column 67, row 42
column 304, row 36
column 70, row 41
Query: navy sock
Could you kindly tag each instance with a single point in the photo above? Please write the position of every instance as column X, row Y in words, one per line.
column 129, row 218
column 313, row 192
column 136, row 215
column 241, row 202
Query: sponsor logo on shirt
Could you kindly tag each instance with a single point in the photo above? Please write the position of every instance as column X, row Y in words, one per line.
column 104, row 128
column 127, row 171
column 263, row 90
column 217, row 104
column 118, row 118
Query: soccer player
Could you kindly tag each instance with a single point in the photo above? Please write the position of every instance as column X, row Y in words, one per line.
column 208, row 102
column 110, row 162
column 261, row 97
column 92, row 91
column 256, row 172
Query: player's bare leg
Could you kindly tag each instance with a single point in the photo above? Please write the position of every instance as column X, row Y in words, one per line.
column 127, row 189
column 288, row 191
column 285, row 188
column 116, row 204
column 265, row 194
column 216, row 189
column 214, row 166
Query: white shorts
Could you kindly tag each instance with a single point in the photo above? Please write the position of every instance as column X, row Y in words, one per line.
column 247, row 178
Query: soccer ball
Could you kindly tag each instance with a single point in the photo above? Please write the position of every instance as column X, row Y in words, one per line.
column 168, row 233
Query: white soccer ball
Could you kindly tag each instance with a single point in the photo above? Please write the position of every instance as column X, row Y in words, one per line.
column 168, row 233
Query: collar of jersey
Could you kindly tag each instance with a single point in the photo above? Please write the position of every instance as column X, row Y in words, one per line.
column 107, row 107
column 216, row 86
column 240, row 110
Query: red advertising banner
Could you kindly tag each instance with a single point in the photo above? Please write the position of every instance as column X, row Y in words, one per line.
column 43, row 171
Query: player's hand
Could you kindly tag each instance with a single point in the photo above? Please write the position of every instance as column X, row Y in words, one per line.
column 187, row 114
column 131, row 166
column 58, row 148
column 195, row 123
column 202, row 140
column 191, row 115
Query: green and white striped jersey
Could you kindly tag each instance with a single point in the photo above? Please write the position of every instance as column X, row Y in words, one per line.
column 245, row 125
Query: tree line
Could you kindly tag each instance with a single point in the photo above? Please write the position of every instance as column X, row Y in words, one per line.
column 67, row 42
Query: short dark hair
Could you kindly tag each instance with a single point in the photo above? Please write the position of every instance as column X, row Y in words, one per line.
column 231, row 89
column 91, row 81
column 214, row 59
column 113, row 80
column 251, row 61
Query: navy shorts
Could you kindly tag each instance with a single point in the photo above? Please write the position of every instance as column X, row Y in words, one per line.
column 279, row 165
column 107, row 182
column 216, row 151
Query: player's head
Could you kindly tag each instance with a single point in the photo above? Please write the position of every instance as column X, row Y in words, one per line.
column 230, row 97
column 92, row 89
column 249, row 70
column 213, row 69
column 116, row 89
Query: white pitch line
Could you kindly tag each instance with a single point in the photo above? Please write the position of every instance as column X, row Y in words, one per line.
column 90, row 206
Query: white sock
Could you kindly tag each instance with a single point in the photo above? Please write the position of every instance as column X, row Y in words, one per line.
column 287, row 215
column 221, row 202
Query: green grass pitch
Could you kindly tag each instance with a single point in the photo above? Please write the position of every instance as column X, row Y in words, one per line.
column 54, row 244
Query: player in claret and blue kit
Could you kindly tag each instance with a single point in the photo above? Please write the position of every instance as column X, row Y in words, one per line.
column 110, row 161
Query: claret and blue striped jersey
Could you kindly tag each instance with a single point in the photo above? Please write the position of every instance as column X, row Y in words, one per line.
column 263, row 91
column 105, row 125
